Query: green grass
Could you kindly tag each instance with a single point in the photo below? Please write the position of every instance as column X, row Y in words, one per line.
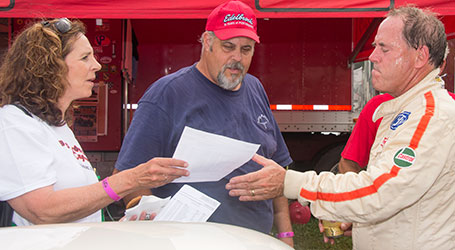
column 308, row 237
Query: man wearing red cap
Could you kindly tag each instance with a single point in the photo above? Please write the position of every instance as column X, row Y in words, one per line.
column 215, row 95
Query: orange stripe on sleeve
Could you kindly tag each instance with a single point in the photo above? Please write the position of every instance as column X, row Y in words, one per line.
column 423, row 124
column 351, row 195
column 378, row 182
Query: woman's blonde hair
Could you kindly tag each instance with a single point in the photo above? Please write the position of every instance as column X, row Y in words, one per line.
column 33, row 72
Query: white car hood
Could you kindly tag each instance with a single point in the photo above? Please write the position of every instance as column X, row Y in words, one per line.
column 137, row 235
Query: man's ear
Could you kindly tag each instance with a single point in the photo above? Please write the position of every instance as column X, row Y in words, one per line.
column 207, row 40
column 423, row 56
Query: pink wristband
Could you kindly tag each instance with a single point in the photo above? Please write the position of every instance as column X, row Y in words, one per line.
column 109, row 190
column 285, row 235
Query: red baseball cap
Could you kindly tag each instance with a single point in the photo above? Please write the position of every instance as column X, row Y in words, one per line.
column 233, row 19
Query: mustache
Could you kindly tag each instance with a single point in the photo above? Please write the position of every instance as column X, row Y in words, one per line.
column 234, row 65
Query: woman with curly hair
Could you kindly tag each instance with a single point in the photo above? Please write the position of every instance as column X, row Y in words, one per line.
column 44, row 174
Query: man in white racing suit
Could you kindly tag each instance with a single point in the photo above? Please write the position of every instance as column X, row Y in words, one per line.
column 406, row 197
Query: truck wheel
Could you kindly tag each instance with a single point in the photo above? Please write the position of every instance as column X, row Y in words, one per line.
column 328, row 159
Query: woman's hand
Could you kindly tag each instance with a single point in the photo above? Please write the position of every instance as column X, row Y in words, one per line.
column 159, row 171
column 143, row 216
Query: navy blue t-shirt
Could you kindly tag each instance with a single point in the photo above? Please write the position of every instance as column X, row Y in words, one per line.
column 188, row 98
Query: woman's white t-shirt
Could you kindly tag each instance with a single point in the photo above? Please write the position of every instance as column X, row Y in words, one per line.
column 35, row 155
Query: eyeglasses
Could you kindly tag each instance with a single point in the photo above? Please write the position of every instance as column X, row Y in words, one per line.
column 63, row 25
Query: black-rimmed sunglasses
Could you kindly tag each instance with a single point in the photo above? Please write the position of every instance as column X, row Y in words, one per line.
column 63, row 25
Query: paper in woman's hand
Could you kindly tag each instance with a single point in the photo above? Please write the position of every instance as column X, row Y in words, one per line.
column 150, row 204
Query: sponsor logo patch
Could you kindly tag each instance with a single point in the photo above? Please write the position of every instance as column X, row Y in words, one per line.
column 404, row 157
column 400, row 119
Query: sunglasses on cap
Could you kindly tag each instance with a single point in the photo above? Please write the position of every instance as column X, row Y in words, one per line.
column 63, row 25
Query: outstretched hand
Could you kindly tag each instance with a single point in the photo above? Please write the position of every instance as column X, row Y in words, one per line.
column 159, row 171
column 263, row 184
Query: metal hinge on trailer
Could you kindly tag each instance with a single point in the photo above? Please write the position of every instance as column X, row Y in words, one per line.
column 315, row 121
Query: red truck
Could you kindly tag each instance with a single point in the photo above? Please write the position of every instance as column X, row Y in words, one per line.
column 312, row 61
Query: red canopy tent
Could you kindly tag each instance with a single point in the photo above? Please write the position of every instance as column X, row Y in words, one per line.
column 196, row 9
column 156, row 9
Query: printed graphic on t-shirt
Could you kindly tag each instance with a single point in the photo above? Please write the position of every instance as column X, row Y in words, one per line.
column 263, row 120
column 78, row 153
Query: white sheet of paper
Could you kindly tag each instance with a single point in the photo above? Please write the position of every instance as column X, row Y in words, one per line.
column 210, row 157
column 188, row 205
column 149, row 203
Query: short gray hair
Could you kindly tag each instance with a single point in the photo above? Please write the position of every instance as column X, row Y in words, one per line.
column 210, row 33
column 422, row 27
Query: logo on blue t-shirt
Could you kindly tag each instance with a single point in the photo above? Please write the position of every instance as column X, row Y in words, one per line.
column 400, row 119
column 263, row 120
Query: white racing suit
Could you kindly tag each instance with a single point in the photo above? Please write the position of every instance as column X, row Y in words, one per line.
column 406, row 197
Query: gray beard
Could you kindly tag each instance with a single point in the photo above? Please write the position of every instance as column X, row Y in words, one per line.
column 224, row 82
